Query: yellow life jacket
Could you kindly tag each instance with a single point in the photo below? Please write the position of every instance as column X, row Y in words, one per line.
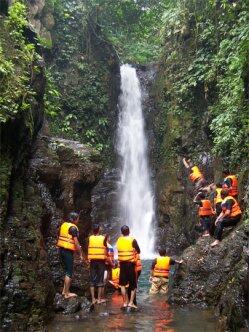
column 235, row 211
column 126, row 252
column 65, row 239
column 162, row 267
column 138, row 263
column 196, row 174
column 96, row 248
column 206, row 208
column 217, row 198
column 233, row 190
column 115, row 277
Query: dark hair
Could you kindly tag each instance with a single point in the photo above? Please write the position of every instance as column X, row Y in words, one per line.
column 125, row 230
column 95, row 229
column 226, row 171
column 162, row 251
column 201, row 195
column 218, row 184
column 72, row 216
column 224, row 193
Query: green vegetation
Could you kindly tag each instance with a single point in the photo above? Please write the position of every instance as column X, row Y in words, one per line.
column 203, row 77
column 16, row 57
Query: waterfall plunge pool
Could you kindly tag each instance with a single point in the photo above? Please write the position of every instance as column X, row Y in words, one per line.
column 154, row 314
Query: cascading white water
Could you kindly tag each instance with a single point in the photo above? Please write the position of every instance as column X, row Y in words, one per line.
column 136, row 199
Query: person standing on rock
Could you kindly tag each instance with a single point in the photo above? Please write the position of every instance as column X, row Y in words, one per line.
column 160, row 272
column 230, row 215
column 68, row 243
column 195, row 175
column 97, row 255
column 127, row 250
column 205, row 212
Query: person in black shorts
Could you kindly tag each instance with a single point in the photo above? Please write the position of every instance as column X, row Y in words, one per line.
column 68, row 243
column 97, row 255
column 127, row 250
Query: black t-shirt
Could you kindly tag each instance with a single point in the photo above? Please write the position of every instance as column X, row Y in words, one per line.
column 171, row 262
column 199, row 202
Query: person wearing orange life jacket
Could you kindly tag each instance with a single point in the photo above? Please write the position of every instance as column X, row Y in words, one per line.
column 97, row 254
column 230, row 182
column 195, row 175
column 160, row 272
column 230, row 215
column 205, row 212
column 127, row 250
column 68, row 243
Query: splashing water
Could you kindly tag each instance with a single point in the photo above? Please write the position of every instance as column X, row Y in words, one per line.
column 136, row 199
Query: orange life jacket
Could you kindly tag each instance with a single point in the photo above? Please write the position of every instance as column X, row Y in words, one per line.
column 138, row 263
column 96, row 248
column 196, row 174
column 235, row 210
column 65, row 239
column 233, row 190
column 162, row 267
column 217, row 198
column 126, row 252
column 206, row 208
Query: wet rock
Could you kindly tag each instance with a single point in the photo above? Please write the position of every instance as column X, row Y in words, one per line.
column 216, row 277
column 86, row 305
column 72, row 305
column 67, row 306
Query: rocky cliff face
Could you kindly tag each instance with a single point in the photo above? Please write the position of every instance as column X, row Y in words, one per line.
column 41, row 180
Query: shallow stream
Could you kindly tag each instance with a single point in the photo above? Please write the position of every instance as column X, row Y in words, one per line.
column 154, row 314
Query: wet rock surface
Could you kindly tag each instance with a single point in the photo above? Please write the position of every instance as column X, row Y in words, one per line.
column 72, row 305
column 65, row 173
column 216, row 277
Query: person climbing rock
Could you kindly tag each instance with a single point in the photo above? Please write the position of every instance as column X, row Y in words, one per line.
column 195, row 175
column 217, row 199
column 230, row 182
column 68, row 243
column 97, row 255
column 127, row 250
column 160, row 272
column 205, row 212
column 230, row 215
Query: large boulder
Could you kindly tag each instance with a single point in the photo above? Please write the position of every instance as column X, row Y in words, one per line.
column 216, row 277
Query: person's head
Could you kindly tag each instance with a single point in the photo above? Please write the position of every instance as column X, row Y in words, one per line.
column 73, row 217
column 162, row 251
column 201, row 195
column 225, row 172
column 224, row 193
column 96, row 229
column 125, row 230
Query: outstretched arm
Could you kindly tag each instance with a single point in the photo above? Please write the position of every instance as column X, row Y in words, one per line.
column 185, row 163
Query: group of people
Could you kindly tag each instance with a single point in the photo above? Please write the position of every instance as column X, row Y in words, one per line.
column 100, row 255
column 214, row 200
column 218, row 203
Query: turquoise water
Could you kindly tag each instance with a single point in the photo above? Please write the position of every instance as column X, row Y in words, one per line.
column 154, row 314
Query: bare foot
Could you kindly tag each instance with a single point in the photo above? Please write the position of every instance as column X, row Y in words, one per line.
column 215, row 243
column 132, row 305
column 205, row 234
column 69, row 295
column 94, row 301
column 125, row 305
column 101, row 301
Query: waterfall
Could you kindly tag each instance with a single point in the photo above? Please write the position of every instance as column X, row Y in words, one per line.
column 136, row 199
